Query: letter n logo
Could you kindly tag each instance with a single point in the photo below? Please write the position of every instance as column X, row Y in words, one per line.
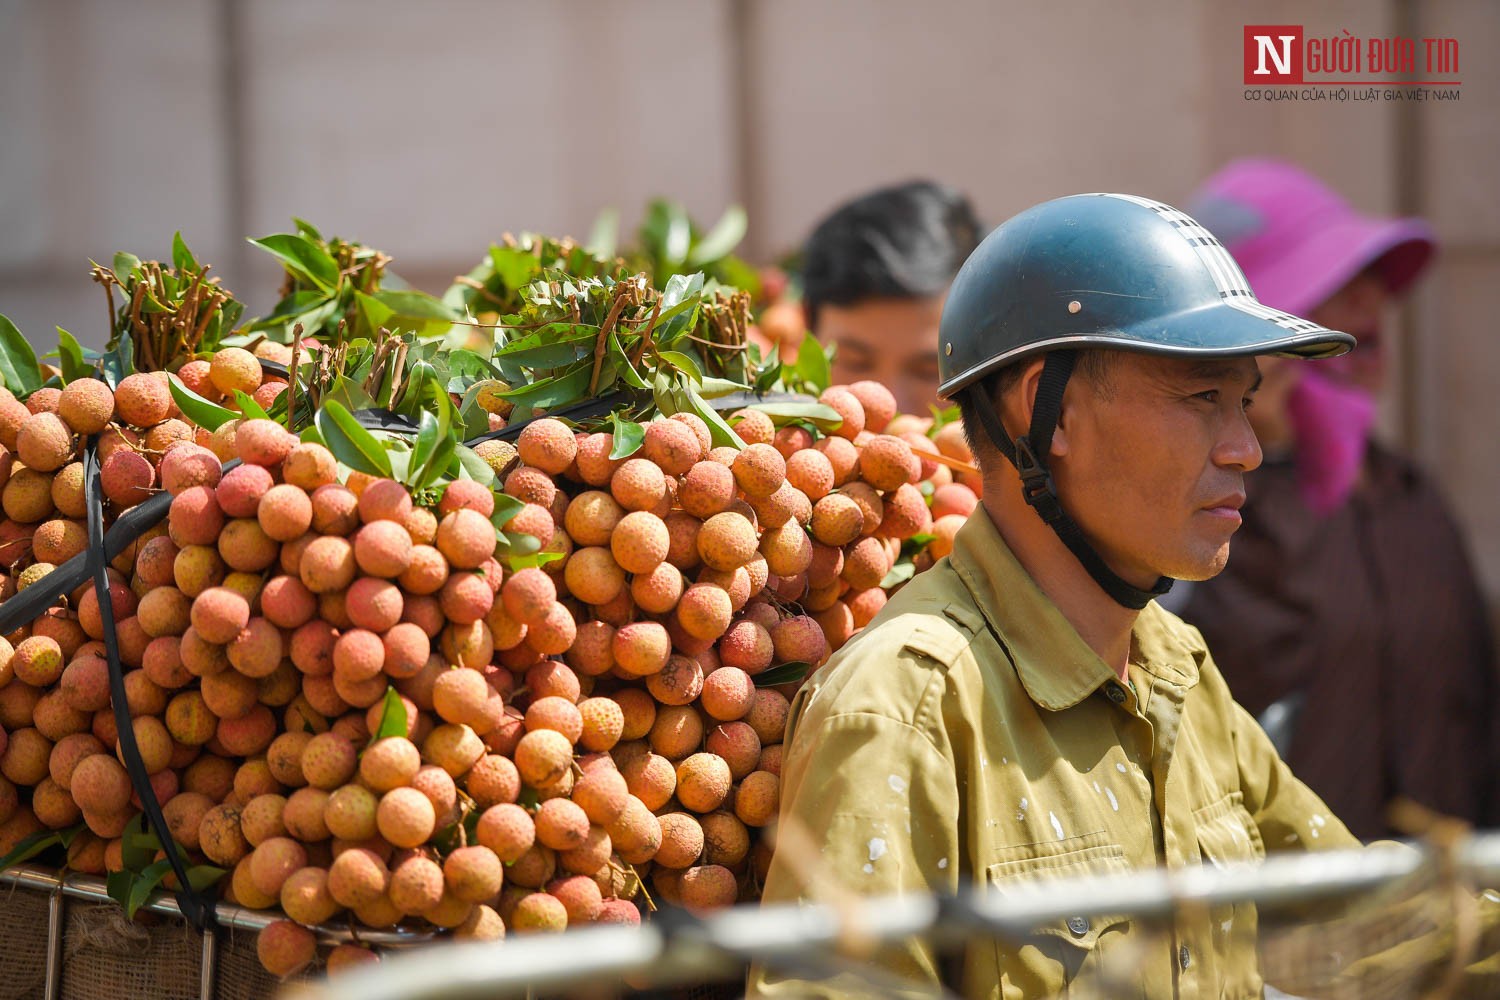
column 1273, row 53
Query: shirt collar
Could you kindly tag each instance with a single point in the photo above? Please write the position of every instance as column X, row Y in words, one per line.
column 1056, row 667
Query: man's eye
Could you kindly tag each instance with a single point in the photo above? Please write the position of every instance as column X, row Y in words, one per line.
column 1211, row 396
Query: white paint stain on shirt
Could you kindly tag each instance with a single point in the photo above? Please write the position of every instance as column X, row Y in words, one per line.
column 942, row 863
column 877, row 848
column 1056, row 826
column 1114, row 803
column 869, row 869
column 897, row 783
column 1120, row 768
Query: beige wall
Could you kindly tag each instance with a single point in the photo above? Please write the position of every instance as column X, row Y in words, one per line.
column 427, row 129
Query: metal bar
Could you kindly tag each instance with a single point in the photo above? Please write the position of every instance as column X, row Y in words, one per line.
column 719, row 943
column 236, row 917
column 208, row 965
column 52, row 990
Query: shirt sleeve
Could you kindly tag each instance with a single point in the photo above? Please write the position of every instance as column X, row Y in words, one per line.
column 869, row 807
column 1289, row 815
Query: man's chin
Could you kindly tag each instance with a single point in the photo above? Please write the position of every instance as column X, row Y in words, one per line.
column 1198, row 570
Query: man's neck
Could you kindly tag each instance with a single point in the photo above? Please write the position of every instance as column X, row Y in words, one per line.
column 1102, row 623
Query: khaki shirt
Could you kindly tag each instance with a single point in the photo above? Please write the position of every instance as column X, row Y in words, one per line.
column 969, row 735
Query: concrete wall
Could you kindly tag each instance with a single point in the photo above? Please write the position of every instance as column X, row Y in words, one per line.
column 428, row 129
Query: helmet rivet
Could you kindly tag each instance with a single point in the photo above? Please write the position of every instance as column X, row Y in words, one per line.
column 1074, row 306
column 948, row 350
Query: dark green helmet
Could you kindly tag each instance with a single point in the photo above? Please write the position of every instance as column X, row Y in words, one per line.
column 1099, row 270
column 1108, row 270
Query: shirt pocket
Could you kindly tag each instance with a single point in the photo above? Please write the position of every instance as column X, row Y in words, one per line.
column 1229, row 838
column 1061, row 955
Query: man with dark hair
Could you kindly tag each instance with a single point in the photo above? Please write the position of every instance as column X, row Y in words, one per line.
column 875, row 273
column 1025, row 710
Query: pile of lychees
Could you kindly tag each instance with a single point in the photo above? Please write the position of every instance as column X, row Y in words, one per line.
column 580, row 725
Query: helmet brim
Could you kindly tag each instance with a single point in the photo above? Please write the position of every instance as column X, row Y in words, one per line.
column 1221, row 330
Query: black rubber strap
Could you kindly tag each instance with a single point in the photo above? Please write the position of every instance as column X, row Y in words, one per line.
column 1029, row 455
column 197, row 908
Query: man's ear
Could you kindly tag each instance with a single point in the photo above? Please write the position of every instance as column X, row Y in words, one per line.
column 1020, row 399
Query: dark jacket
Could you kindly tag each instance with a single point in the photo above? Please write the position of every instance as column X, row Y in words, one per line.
column 1374, row 615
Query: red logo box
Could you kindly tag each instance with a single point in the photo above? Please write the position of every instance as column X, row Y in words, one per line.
column 1273, row 54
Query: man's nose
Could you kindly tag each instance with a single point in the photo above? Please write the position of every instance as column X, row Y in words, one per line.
column 1238, row 447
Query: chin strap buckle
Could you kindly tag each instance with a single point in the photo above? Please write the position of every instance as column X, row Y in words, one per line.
column 1036, row 482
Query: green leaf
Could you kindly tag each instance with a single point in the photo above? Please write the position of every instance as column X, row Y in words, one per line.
column 428, row 429
column 628, row 436
column 605, row 234
column 70, row 357
column 119, row 362
column 682, row 291
column 182, row 257
column 30, row 847
column 823, row 417
column 392, row 717
column 899, row 574
column 713, row 388
column 124, row 263
column 307, row 229
column 569, row 386
column 551, row 347
column 311, row 435
column 535, row 561
column 209, row 416
column 412, row 309
column 291, row 308
column 470, row 365
column 201, row 877
column 145, row 884
column 719, row 430
column 472, row 466
column 513, row 266
column 812, row 365
column 138, row 844
column 678, row 238
column 303, row 258
column 722, row 238
column 626, row 370
column 18, row 365
column 350, row 394
column 374, row 313
column 786, row 673
column 118, row 884
column 684, row 363
column 522, row 545
column 506, row 507
column 351, row 443
column 249, row 407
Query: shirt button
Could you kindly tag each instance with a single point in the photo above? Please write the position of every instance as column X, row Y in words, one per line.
column 1184, row 957
column 1078, row 925
column 1115, row 693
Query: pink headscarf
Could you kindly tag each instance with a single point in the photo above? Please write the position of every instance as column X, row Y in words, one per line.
column 1298, row 243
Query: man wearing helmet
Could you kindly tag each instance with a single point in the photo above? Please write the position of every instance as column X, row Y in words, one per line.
column 1024, row 710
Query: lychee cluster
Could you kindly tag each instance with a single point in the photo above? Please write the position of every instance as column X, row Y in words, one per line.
column 577, row 723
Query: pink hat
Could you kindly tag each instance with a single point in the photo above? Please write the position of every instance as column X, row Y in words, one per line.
column 1297, row 241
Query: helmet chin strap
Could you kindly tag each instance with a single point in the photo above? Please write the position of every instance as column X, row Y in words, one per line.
column 1028, row 454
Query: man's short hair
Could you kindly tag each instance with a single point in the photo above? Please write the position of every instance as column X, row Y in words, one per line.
column 1092, row 364
column 901, row 242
